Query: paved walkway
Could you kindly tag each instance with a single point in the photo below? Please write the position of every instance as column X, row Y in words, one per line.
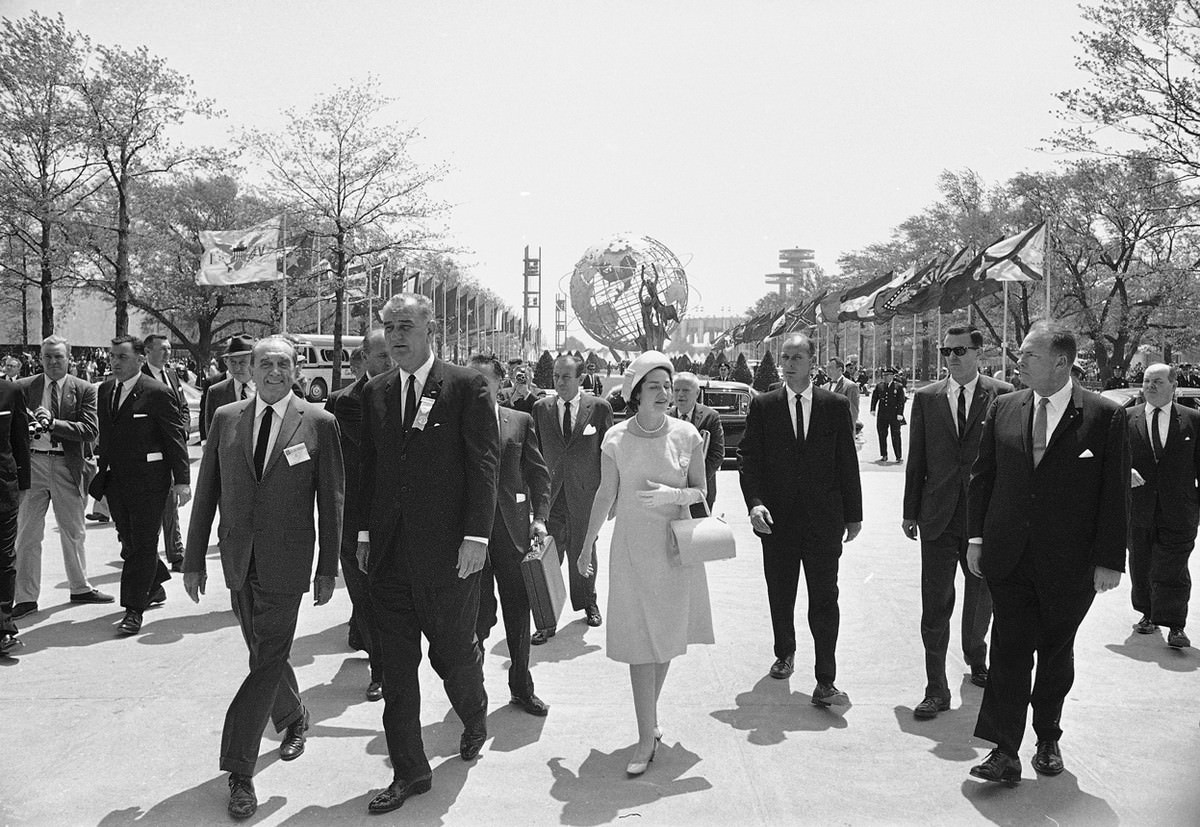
column 108, row 731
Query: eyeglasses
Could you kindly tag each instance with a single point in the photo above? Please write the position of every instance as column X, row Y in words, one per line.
column 957, row 351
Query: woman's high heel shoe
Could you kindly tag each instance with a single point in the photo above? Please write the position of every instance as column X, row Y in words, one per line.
column 639, row 767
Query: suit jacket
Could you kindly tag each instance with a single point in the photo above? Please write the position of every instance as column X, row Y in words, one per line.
column 14, row 446
column 939, row 461
column 889, row 400
column 574, row 463
column 77, row 425
column 812, row 489
column 346, row 406
column 145, row 446
column 219, row 394
column 173, row 383
column 1168, row 500
column 523, row 486
column 424, row 491
column 848, row 388
column 1072, row 511
column 708, row 421
column 270, row 519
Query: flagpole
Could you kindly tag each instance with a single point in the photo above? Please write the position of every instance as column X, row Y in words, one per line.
column 914, row 343
column 1004, row 338
column 283, row 285
column 939, row 341
column 1046, row 276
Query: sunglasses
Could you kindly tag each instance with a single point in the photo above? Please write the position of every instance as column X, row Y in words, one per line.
column 957, row 351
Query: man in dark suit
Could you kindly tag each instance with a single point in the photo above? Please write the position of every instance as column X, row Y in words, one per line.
column 346, row 405
column 591, row 382
column 947, row 420
column 429, row 453
column 1047, row 516
column 158, row 354
column 523, row 492
column 61, row 465
column 846, row 386
column 795, row 436
column 887, row 403
column 14, row 478
column 570, row 429
column 143, row 458
column 708, row 422
column 1164, row 443
column 267, row 462
column 238, row 385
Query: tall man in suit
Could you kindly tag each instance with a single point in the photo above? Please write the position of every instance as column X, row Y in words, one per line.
column 1164, row 442
column 158, row 353
column 267, row 461
column 430, row 445
column 570, row 429
column 64, row 407
column 346, row 405
column 1047, row 516
column 839, row 382
column 143, row 458
column 14, row 479
column 522, row 507
column 887, row 403
column 947, row 420
column 708, row 422
column 796, row 436
column 238, row 385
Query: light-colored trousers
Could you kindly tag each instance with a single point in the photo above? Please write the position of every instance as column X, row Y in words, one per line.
column 51, row 483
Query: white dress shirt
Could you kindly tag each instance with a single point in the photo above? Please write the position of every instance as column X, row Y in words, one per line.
column 126, row 388
column 278, row 409
column 1164, row 422
column 1055, row 410
column 562, row 407
column 237, row 389
column 805, row 404
column 968, row 395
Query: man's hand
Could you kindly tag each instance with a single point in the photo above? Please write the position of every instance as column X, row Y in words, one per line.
column 584, row 564
column 974, row 555
column 322, row 589
column 909, row 527
column 852, row 530
column 1106, row 579
column 1136, row 480
column 363, row 554
column 471, row 556
column 760, row 519
column 183, row 493
column 43, row 418
column 537, row 531
column 193, row 584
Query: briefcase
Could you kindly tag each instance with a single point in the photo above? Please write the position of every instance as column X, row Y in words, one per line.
column 542, row 573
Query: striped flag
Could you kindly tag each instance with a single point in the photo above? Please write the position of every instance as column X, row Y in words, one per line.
column 891, row 298
column 962, row 285
column 861, row 308
column 1019, row 258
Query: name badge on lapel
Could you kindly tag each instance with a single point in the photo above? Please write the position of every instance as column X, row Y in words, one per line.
column 296, row 454
column 423, row 413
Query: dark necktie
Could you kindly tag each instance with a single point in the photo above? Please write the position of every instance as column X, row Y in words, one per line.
column 243, row 394
column 962, row 410
column 1155, row 439
column 260, row 447
column 116, row 399
column 53, row 409
column 410, row 402
column 1039, row 431
column 799, row 421
column 566, row 420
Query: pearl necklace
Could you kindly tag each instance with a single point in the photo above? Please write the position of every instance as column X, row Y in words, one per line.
column 649, row 432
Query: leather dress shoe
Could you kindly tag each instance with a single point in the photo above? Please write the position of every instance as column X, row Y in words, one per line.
column 8, row 635
column 93, row 596
column 593, row 616
column 541, row 636
column 471, row 743
column 1178, row 638
column 639, row 767
column 979, row 676
column 292, row 746
column 19, row 610
column 96, row 517
column 998, row 767
column 532, row 704
column 131, row 624
column 1144, row 626
column 782, row 667
column 158, row 596
column 375, row 691
column 396, row 792
column 827, row 695
column 1048, row 760
column 930, row 707
column 243, row 803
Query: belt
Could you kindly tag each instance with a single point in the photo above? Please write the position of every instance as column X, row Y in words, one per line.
column 48, row 453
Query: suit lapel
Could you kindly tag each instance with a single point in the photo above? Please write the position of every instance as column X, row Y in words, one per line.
column 982, row 398
column 389, row 414
column 582, row 415
column 126, row 409
column 1070, row 418
column 1140, row 441
column 291, row 422
column 432, row 389
column 943, row 413
column 245, row 435
column 1027, row 428
column 1172, row 426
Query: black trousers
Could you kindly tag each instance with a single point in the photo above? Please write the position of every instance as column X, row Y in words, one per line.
column 782, row 561
column 503, row 571
column 1034, row 613
column 446, row 615
column 172, row 537
column 269, row 692
column 1158, row 570
column 941, row 558
column 363, row 615
column 569, row 540
column 8, row 560
column 138, row 518
column 882, row 426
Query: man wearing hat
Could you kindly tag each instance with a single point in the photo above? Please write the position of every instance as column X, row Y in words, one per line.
column 887, row 403
column 239, row 385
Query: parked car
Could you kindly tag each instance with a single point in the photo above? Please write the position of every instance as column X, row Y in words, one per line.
column 1128, row 397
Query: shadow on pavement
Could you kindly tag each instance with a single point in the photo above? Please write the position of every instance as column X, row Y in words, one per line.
column 950, row 731
column 602, row 792
column 173, row 629
column 1039, row 800
column 202, row 804
column 1153, row 649
column 567, row 644
column 330, row 641
column 68, row 633
column 771, row 710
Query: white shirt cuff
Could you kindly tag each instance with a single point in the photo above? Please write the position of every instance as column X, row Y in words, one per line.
column 364, row 536
column 977, row 540
column 480, row 540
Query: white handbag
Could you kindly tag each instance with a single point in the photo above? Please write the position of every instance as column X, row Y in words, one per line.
column 698, row 540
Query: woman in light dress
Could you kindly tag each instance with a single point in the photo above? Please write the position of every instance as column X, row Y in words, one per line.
column 652, row 468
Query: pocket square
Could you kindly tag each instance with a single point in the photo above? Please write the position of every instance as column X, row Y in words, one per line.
column 140, row 416
column 589, row 430
column 1087, row 454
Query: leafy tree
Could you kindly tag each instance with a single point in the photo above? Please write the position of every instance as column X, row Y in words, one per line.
column 543, row 372
column 765, row 375
column 741, row 371
column 710, row 364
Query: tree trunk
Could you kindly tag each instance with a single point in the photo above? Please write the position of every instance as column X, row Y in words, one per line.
column 121, row 282
column 339, row 320
column 46, row 281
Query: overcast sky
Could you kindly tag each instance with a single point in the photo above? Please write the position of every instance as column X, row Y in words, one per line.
column 727, row 130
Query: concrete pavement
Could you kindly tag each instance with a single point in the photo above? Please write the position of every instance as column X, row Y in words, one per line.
column 108, row 731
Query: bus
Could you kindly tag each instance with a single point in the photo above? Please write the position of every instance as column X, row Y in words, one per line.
column 316, row 363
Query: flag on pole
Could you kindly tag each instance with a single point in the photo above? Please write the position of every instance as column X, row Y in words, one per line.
column 861, row 306
column 241, row 256
column 890, row 298
column 963, row 286
column 1019, row 258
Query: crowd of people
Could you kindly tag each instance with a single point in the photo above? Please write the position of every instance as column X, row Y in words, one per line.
column 425, row 484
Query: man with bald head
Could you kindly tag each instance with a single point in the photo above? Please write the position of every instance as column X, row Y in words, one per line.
column 1164, row 441
column 708, row 422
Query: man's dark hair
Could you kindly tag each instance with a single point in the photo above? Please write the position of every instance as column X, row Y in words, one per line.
column 154, row 337
column 490, row 361
column 139, row 347
column 575, row 360
column 837, row 362
column 1062, row 338
column 964, row 329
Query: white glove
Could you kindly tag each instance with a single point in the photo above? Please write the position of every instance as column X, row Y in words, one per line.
column 660, row 495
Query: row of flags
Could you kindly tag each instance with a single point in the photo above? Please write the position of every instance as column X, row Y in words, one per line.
column 945, row 283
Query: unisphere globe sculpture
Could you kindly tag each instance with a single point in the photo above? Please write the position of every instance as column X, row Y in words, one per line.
column 629, row 292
